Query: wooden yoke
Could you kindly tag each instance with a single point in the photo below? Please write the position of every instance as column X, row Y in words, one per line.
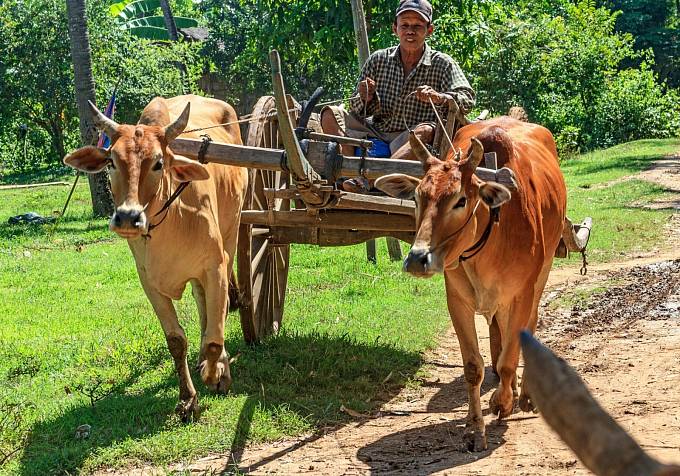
column 306, row 179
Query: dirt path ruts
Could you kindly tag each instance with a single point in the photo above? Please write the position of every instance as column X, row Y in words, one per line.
column 631, row 362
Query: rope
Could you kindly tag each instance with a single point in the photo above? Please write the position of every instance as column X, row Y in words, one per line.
column 441, row 124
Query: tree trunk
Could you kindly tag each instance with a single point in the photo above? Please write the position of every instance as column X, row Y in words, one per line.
column 169, row 20
column 100, row 188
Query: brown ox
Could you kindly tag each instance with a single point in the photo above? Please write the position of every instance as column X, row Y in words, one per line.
column 505, row 278
column 196, row 241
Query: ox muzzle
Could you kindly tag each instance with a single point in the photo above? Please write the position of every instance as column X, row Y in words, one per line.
column 129, row 221
column 422, row 262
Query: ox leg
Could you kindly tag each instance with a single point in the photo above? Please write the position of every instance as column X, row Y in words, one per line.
column 214, row 367
column 463, row 318
column 525, row 403
column 199, row 296
column 518, row 316
column 495, row 343
column 187, row 408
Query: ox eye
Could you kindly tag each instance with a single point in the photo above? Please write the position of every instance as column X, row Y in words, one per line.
column 111, row 164
column 158, row 165
column 460, row 203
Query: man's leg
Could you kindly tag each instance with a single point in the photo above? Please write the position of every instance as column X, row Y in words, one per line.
column 330, row 125
column 401, row 149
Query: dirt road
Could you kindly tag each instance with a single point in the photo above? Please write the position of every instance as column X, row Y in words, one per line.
column 619, row 326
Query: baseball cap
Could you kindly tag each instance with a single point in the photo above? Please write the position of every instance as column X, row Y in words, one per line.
column 422, row 7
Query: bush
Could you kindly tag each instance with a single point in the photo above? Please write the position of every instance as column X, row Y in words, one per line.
column 634, row 106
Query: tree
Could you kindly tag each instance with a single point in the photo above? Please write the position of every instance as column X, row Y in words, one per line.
column 100, row 189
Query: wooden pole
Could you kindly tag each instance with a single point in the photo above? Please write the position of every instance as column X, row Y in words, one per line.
column 360, row 31
column 364, row 51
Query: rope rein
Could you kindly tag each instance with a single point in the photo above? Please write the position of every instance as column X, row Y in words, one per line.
column 182, row 186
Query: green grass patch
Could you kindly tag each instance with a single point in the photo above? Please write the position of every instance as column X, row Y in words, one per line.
column 81, row 345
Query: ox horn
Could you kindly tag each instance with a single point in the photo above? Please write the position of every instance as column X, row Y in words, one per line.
column 177, row 127
column 475, row 155
column 101, row 122
column 566, row 404
column 418, row 148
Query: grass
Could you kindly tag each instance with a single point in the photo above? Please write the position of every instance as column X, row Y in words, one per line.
column 81, row 345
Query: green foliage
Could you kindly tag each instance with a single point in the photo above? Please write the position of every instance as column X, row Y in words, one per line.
column 138, row 18
column 654, row 24
column 39, row 92
column 564, row 71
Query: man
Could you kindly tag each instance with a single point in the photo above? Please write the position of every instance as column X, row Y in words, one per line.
column 395, row 89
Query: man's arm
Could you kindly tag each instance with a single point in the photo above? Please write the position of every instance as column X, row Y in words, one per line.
column 456, row 85
column 357, row 106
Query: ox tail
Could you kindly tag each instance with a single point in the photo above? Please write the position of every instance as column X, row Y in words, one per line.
column 518, row 112
column 566, row 404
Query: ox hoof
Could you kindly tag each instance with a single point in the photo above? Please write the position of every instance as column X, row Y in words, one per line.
column 500, row 408
column 526, row 405
column 217, row 378
column 188, row 410
column 474, row 440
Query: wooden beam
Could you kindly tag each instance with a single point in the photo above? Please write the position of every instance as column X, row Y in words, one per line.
column 302, row 172
column 231, row 154
column 270, row 159
column 354, row 220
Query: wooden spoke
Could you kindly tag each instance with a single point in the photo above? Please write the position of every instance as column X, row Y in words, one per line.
column 262, row 264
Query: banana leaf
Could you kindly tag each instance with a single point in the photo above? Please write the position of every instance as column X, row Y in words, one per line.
column 150, row 32
column 132, row 10
column 159, row 21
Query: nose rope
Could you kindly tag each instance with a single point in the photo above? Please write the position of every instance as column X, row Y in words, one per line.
column 165, row 208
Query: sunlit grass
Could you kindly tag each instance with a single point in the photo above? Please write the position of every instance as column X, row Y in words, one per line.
column 81, row 345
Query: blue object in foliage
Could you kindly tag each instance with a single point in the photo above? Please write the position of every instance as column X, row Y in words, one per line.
column 380, row 148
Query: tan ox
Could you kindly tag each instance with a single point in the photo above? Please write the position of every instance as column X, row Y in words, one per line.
column 195, row 241
column 502, row 278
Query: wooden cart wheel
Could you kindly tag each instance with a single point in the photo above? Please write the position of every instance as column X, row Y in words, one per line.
column 262, row 264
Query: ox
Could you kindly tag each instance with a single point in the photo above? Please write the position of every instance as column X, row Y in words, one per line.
column 502, row 274
column 195, row 240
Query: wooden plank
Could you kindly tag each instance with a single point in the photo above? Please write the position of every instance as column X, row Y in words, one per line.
column 332, row 237
column 490, row 160
column 354, row 220
column 353, row 201
column 356, row 201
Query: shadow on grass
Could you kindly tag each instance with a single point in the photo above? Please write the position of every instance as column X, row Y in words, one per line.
column 66, row 227
column 50, row 173
column 308, row 374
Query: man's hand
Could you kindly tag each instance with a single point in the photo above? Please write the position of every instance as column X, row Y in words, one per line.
column 425, row 93
column 366, row 90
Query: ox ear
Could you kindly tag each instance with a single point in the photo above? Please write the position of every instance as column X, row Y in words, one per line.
column 475, row 155
column 88, row 159
column 494, row 194
column 398, row 185
column 177, row 127
column 187, row 170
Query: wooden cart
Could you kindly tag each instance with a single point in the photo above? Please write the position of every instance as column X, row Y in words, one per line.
column 291, row 199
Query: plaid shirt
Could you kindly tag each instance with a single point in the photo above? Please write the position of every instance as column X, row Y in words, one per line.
column 435, row 69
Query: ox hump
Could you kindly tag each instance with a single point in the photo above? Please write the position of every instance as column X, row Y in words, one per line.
column 496, row 139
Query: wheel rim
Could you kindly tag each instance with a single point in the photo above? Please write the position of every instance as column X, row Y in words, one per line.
column 263, row 265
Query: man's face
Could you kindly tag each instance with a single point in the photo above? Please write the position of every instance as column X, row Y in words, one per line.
column 412, row 30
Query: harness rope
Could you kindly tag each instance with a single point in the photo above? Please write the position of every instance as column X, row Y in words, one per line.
column 166, row 206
